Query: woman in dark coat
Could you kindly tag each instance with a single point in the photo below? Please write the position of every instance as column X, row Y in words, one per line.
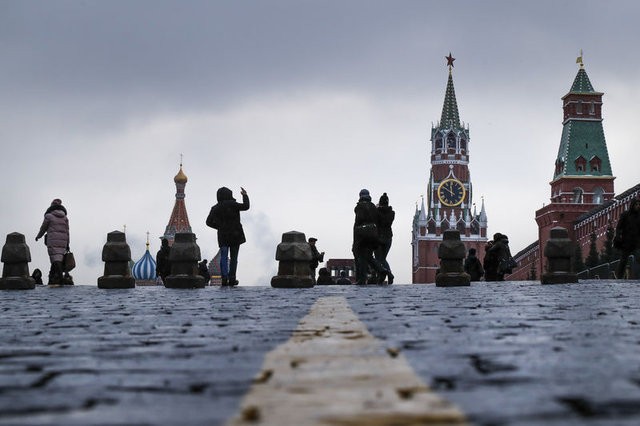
column 495, row 251
column 225, row 217
column 365, row 239
column 163, row 266
column 386, row 215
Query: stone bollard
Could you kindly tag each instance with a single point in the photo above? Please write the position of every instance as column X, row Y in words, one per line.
column 294, row 255
column 184, row 257
column 116, row 255
column 558, row 251
column 451, row 253
column 16, row 256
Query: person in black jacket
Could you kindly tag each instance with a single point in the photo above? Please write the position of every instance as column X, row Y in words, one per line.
column 365, row 239
column 316, row 257
column 473, row 266
column 225, row 217
column 386, row 215
column 627, row 239
column 324, row 277
column 163, row 267
column 492, row 253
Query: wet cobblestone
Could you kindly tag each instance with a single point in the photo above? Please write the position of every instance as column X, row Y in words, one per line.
column 506, row 353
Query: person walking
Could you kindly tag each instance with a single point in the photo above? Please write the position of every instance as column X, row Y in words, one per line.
column 163, row 266
column 56, row 227
column 365, row 239
column 627, row 238
column 492, row 254
column 386, row 215
column 473, row 266
column 225, row 217
column 316, row 257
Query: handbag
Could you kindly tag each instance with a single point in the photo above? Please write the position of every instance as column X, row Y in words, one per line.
column 68, row 262
column 507, row 265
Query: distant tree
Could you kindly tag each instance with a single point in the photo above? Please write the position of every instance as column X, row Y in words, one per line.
column 532, row 272
column 607, row 254
column 593, row 257
column 578, row 263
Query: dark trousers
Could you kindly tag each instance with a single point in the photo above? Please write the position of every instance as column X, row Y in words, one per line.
column 622, row 265
column 363, row 255
column 381, row 254
column 233, row 260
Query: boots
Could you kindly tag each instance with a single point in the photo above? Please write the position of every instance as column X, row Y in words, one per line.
column 55, row 273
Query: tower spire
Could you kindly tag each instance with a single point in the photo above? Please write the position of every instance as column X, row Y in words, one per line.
column 450, row 116
column 179, row 220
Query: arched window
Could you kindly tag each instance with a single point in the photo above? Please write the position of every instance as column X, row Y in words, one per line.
column 579, row 107
column 439, row 147
column 598, row 196
column 578, row 195
column 463, row 145
column 451, row 143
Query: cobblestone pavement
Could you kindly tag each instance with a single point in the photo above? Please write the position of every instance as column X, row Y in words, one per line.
column 505, row 353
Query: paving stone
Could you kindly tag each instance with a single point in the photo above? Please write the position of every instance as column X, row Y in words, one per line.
column 505, row 353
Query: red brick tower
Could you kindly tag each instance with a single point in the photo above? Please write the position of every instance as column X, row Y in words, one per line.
column 179, row 221
column 582, row 179
column 449, row 193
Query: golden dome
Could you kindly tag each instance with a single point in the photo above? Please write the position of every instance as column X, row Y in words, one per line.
column 180, row 177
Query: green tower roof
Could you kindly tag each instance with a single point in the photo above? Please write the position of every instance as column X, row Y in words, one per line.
column 583, row 139
column 583, row 145
column 450, row 116
column 581, row 83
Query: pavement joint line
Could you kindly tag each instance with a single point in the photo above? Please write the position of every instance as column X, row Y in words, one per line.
column 332, row 371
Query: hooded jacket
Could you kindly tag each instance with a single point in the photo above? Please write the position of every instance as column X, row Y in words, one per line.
column 56, row 226
column 225, row 217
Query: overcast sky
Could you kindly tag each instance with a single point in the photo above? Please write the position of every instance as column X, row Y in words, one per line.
column 302, row 103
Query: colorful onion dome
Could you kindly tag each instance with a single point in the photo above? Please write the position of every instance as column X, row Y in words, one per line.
column 145, row 268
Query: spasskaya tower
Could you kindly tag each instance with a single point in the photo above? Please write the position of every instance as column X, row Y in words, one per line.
column 449, row 193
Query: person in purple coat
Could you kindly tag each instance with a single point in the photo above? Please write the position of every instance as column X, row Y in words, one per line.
column 56, row 227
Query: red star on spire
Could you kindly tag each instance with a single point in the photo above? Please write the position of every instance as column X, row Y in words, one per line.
column 450, row 60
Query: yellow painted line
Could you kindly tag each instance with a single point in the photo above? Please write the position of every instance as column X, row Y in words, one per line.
column 332, row 371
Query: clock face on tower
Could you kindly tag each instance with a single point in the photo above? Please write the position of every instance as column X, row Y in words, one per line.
column 451, row 192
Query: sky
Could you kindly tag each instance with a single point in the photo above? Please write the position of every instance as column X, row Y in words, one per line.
column 303, row 103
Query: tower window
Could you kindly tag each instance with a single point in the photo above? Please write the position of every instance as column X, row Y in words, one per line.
column 581, row 164
column 579, row 107
column 439, row 146
column 595, row 164
column 598, row 196
column 451, row 142
column 592, row 108
column 578, row 195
